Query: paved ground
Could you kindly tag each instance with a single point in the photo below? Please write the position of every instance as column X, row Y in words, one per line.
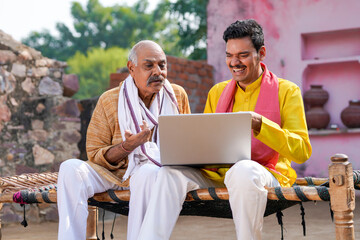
column 318, row 226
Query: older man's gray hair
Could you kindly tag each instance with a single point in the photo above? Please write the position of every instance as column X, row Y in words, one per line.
column 133, row 52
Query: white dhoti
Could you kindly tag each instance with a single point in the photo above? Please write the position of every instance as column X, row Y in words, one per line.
column 245, row 181
column 77, row 182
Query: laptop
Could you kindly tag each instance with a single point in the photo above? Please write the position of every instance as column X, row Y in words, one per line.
column 205, row 139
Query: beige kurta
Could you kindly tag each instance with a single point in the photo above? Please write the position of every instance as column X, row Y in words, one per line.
column 104, row 132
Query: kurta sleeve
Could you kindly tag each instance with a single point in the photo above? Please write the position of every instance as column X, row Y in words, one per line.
column 291, row 140
column 100, row 133
column 182, row 99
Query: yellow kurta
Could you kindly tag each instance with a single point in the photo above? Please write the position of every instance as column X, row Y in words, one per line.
column 290, row 140
column 104, row 132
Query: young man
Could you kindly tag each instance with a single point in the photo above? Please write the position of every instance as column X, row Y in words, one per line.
column 121, row 142
column 279, row 137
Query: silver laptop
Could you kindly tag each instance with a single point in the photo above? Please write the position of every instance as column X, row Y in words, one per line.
column 205, row 139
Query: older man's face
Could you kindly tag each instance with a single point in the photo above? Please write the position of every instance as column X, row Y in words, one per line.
column 150, row 73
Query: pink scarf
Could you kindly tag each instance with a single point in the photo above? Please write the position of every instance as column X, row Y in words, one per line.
column 267, row 105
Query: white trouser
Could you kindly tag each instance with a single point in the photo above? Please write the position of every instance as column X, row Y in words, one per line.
column 141, row 186
column 245, row 182
column 77, row 182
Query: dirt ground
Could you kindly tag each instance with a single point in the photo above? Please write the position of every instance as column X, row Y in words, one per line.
column 317, row 217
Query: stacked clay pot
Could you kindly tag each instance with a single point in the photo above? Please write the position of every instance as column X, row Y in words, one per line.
column 316, row 116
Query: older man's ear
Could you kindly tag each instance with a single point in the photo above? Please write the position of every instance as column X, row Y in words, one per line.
column 130, row 66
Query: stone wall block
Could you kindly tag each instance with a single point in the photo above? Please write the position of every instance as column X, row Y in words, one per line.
column 18, row 70
column 58, row 125
column 10, row 217
column 38, row 135
column 73, row 126
column 57, row 64
column 25, row 55
column 20, row 169
column 37, row 124
column 5, row 113
column 68, row 109
column 40, row 108
column 9, row 157
column 57, row 74
column 35, row 54
column 41, row 63
column 7, row 81
column 7, row 56
column 8, row 43
column 39, row 72
column 71, row 137
column 71, row 84
column 50, row 213
column 14, row 102
column 49, row 87
column 28, row 86
column 42, row 156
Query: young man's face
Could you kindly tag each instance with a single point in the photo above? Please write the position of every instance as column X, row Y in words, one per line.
column 243, row 60
column 150, row 72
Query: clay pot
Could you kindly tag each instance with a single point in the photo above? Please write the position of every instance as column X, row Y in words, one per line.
column 316, row 96
column 350, row 116
column 317, row 117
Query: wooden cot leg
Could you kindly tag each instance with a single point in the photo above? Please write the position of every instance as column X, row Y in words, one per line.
column 342, row 196
column 91, row 223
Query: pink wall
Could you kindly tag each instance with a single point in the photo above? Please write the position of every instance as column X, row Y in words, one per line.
column 308, row 42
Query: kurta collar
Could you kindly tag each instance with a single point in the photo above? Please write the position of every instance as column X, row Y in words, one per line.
column 251, row 87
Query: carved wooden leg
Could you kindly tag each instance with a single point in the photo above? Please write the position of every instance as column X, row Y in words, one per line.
column 342, row 195
column 91, row 223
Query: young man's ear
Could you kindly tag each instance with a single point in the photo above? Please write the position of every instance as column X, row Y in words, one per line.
column 262, row 53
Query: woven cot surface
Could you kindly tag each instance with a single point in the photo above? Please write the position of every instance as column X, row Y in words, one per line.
column 32, row 181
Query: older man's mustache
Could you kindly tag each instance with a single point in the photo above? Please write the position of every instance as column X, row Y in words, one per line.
column 155, row 79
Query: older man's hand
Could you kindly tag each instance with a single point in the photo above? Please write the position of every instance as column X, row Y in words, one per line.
column 135, row 140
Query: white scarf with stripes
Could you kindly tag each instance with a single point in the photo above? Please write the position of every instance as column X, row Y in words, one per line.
column 132, row 111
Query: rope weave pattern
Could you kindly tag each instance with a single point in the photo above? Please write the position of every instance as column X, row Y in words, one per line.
column 26, row 188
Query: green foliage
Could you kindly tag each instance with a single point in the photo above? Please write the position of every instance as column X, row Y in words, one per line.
column 94, row 68
column 180, row 27
column 105, row 27
column 191, row 17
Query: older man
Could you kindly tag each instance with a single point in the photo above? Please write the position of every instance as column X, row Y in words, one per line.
column 121, row 142
column 279, row 137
